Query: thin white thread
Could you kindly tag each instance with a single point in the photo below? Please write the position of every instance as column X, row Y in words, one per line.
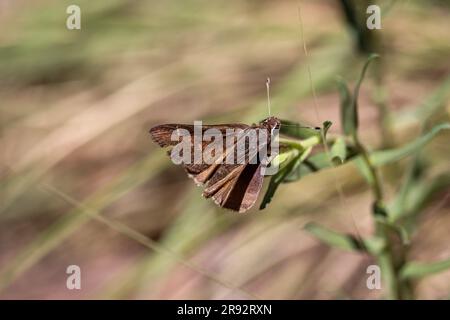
column 336, row 183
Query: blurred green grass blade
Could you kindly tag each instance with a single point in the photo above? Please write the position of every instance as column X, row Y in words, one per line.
column 419, row 194
column 419, row 270
column 158, row 248
column 71, row 221
column 195, row 225
column 430, row 106
column 435, row 102
column 384, row 157
column 334, row 238
column 144, row 240
column 36, row 163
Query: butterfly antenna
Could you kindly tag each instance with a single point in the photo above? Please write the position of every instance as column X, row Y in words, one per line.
column 299, row 126
column 268, row 94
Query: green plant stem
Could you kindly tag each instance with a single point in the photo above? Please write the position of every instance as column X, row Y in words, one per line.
column 302, row 144
column 386, row 258
column 375, row 181
column 394, row 258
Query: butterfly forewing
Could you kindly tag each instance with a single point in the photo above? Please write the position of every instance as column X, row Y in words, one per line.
column 233, row 185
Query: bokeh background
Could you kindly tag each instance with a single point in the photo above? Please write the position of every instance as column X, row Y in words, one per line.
column 82, row 183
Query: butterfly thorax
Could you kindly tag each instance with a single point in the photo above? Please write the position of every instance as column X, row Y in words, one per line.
column 270, row 123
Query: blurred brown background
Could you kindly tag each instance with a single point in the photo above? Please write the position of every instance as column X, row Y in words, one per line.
column 76, row 106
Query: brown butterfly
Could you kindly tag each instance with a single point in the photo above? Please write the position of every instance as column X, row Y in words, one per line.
column 232, row 185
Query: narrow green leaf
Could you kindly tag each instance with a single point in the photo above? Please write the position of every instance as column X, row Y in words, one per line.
column 325, row 127
column 349, row 102
column 333, row 238
column 320, row 161
column 383, row 157
column 295, row 130
column 310, row 165
column 358, row 86
column 338, row 151
column 412, row 178
column 364, row 170
column 346, row 108
column 374, row 245
column 303, row 169
column 295, row 173
column 418, row 270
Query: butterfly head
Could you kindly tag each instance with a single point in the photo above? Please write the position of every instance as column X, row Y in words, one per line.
column 271, row 123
